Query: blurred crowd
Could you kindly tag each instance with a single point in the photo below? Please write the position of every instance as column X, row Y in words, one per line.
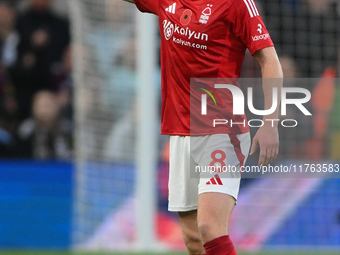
column 35, row 81
column 36, row 114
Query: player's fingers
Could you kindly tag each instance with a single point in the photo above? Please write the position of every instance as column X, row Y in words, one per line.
column 268, row 156
column 275, row 152
column 254, row 146
column 272, row 155
column 263, row 156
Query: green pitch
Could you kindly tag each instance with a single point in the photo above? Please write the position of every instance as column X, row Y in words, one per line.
column 172, row 253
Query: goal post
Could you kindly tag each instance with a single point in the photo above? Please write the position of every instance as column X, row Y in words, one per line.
column 146, row 138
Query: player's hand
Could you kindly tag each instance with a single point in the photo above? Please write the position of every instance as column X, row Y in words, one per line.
column 267, row 137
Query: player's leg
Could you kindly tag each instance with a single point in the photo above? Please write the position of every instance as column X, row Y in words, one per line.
column 183, row 192
column 191, row 235
column 218, row 191
column 214, row 210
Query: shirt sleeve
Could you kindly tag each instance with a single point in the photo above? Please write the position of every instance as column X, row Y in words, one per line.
column 248, row 25
column 150, row 6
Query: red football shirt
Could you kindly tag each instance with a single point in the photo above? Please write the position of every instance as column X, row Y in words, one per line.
column 202, row 39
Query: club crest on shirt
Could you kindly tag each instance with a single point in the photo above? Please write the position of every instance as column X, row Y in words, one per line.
column 205, row 14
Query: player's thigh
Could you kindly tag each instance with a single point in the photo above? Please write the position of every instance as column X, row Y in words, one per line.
column 183, row 188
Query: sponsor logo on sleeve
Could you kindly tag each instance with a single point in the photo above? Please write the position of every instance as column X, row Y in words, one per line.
column 260, row 36
column 259, row 28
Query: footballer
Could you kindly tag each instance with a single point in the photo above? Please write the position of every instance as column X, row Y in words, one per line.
column 208, row 39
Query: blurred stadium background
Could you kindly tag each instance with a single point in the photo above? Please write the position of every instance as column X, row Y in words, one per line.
column 75, row 172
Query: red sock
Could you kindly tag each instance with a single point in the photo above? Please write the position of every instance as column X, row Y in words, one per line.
column 220, row 246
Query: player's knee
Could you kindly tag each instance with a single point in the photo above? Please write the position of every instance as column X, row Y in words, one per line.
column 211, row 229
column 193, row 242
column 205, row 229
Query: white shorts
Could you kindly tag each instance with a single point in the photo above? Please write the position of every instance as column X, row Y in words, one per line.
column 200, row 164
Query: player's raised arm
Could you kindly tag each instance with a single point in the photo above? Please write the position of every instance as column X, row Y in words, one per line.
column 267, row 136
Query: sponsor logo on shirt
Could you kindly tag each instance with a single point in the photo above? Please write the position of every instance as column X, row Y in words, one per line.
column 170, row 29
column 189, row 44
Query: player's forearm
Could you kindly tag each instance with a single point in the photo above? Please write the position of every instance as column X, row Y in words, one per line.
column 272, row 78
column 269, row 84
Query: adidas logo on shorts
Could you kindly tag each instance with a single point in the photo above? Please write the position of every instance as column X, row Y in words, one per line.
column 215, row 180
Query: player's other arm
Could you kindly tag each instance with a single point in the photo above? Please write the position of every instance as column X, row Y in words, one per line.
column 267, row 136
